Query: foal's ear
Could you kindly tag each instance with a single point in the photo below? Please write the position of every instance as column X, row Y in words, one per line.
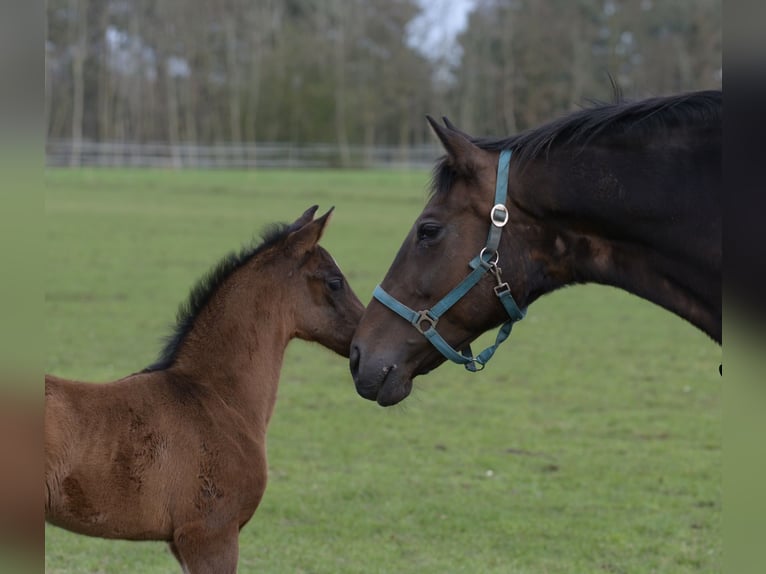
column 463, row 155
column 309, row 234
column 307, row 216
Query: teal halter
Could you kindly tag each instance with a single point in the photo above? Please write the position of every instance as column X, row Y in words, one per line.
column 486, row 261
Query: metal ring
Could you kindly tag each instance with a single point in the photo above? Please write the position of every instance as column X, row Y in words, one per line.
column 502, row 208
column 489, row 263
column 424, row 317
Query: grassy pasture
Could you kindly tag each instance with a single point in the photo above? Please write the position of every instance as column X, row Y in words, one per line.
column 591, row 443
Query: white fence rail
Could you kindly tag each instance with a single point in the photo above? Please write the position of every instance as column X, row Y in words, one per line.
column 61, row 153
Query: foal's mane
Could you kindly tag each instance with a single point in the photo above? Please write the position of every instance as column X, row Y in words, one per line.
column 640, row 118
column 202, row 292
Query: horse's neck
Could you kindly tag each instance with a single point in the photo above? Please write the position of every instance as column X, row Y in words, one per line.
column 652, row 229
column 236, row 348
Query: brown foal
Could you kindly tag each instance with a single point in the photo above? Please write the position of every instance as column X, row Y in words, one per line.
column 177, row 452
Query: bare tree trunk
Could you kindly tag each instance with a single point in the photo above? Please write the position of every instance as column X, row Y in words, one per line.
column 257, row 20
column 80, row 7
column 120, row 110
column 204, row 113
column 509, row 77
column 48, row 101
column 232, row 69
column 167, row 99
column 253, row 98
column 468, row 90
column 580, row 47
column 340, row 83
column 369, row 134
column 683, row 79
column 104, row 83
column 172, row 111
column 135, row 97
column 190, row 120
column 404, row 141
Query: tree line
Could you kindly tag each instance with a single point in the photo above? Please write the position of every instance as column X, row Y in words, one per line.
column 352, row 72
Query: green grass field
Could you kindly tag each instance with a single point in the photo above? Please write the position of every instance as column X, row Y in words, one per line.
column 592, row 442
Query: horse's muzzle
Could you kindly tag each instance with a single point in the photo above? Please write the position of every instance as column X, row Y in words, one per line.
column 368, row 389
column 377, row 381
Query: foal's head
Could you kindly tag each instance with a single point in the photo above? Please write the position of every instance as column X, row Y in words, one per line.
column 289, row 277
column 326, row 309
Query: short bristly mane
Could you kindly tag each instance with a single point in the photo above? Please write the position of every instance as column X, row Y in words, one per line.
column 201, row 294
column 639, row 118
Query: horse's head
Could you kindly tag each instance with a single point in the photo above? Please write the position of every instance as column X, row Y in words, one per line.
column 389, row 347
column 327, row 310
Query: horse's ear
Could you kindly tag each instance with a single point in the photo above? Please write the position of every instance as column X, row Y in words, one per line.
column 463, row 155
column 307, row 216
column 454, row 128
column 309, row 234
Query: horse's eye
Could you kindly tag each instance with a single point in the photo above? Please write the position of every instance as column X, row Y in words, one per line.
column 428, row 231
column 335, row 284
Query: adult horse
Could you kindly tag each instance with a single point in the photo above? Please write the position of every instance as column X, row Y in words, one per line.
column 177, row 452
column 624, row 194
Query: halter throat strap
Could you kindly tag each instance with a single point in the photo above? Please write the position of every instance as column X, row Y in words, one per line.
column 486, row 261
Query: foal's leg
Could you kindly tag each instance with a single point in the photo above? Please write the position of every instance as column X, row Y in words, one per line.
column 174, row 550
column 201, row 550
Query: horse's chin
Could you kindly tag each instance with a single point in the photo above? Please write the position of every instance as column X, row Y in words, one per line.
column 395, row 388
column 397, row 384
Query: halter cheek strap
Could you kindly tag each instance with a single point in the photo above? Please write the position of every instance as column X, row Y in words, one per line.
column 486, row 261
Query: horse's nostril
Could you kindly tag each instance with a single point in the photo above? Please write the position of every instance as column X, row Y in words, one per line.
column 353, row 360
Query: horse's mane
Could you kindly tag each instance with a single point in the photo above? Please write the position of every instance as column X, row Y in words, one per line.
column 639, row 118
column 202, row 292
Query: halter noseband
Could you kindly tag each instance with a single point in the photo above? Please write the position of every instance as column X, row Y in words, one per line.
column 486, row 261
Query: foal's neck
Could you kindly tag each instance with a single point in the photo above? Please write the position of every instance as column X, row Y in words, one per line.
column 237, row 344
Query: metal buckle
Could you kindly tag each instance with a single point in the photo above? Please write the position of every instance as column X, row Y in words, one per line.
column 501, row 289
column 504, row 215
column 424, row 317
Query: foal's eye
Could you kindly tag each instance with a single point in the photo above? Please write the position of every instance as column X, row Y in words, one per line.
column 428, row 231
column 335, row 284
